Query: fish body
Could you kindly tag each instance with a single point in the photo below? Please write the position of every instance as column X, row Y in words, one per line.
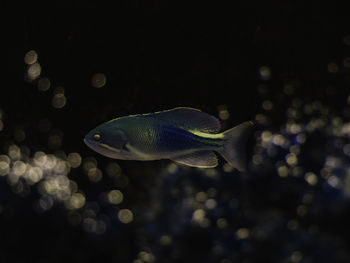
column 185, row 135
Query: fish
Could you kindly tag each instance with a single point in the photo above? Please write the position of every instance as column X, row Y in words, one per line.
column 185, row 135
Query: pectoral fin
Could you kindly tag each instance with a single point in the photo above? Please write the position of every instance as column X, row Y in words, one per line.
column 201, row 159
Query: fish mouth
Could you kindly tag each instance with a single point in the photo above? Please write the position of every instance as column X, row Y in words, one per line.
column 89, row 142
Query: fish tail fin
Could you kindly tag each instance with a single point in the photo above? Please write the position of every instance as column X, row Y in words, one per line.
column 234, row 150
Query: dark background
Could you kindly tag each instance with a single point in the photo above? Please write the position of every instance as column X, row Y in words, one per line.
column 156, row 59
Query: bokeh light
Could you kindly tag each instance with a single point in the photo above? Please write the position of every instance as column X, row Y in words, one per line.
column 98, row 80
column 31, row 57
column 115, row 197
column 34, row 71
column 59, row 100
column 125, row 216
column 44, row 84
column 290, row 205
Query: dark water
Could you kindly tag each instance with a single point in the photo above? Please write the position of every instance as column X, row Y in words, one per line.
column 286, row 67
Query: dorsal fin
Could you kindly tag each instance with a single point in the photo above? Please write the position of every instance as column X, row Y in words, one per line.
column 190, row 119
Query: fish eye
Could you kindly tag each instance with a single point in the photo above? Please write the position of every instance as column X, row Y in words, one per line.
column 97, row 137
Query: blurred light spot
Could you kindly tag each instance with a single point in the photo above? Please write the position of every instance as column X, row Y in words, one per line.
column 98, row 80
column 261, row 119
column 301, row 210
column 95, row 174
column 19, row 168
column 74, row 159
column 267, row 105
column 266, row 136
column 90, row 212
column 115, row 197
column 333, row 67
column 242, row 233
column 30, row 57
column 59, row 101
column 283, row 171
column 223, row 112
column 301, row 138
column 89, row 162
column 89, row 225
column 58, row 90
column 265, row 72
column 165, row 240
column 113, row 170
column 73, row 186
column 278, row 139
column 40, row 159
column 295, row 149
column 45, row 203
column 76, row 201
column 34, row 175
column 34, row 71
column 125, row 216
column 293, row 128
column 19, row 135
column 14, row 152
column 228, row 168
column 346, row 129
column 146, row 256
column 311, row 178
column 44, row 84
column 210, row 203
column 296, row 171
column 332, row 162
column 293, row 113
column 201, row 196
column 291, row 159
column 257, row 159
column 205, row 222
column 334, row 181
column 4, row 168
column 198, row 215
column 211, row 172
column 172, row 168
column 221, row 223
column 1, row 125
column 296, row 256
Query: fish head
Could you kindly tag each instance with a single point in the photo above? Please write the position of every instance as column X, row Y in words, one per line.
column 109, row 140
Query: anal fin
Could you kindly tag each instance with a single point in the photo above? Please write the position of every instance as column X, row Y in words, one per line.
column 200, row 159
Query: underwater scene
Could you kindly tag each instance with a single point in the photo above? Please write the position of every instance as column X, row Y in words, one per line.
column 277, row 192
